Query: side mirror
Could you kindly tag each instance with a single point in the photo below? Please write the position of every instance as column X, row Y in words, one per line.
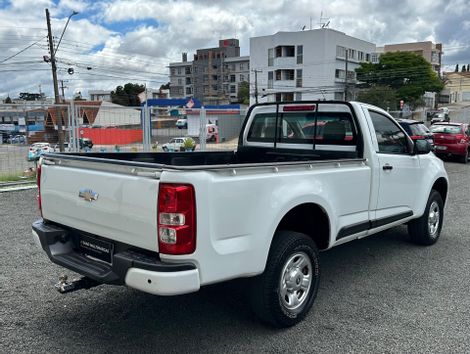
column 422, row 147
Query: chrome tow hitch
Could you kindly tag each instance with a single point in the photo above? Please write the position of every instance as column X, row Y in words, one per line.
column 63, row 286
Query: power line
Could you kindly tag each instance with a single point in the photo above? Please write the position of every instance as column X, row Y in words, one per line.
column 21, row 51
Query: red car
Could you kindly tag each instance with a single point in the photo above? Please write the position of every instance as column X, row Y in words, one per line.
column 452, row 139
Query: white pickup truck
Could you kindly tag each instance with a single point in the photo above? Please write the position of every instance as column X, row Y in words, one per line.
column 306, row 176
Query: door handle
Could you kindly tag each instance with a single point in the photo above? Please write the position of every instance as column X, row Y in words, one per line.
column 387, row 167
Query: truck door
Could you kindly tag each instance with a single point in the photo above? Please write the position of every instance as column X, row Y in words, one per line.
column 399, row 171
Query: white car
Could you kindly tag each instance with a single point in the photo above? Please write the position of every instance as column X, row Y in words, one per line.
column 176, row 144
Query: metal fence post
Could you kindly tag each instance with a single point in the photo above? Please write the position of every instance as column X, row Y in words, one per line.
column 202, row 129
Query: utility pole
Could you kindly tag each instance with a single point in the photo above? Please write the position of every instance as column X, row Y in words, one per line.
column 346, row 77
column 256, row 83
column 56, row 85
column 62, row 87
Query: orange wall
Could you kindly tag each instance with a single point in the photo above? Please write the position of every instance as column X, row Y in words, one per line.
column 112, row 136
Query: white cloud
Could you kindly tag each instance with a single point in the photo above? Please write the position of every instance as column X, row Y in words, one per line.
column 144, row 35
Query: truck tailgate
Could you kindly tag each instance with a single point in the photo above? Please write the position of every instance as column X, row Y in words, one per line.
column 120, row 207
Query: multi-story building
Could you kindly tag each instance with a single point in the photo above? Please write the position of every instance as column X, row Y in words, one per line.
column 457, row 87
column 305, row 65
column 209, row 76
column 428, row 50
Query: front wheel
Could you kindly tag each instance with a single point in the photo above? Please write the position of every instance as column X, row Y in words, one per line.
column 427, row 229
column 285, row 292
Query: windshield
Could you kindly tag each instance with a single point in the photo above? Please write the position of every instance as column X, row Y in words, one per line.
column 446, row 129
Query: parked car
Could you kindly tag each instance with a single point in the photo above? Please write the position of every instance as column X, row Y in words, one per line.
column 85, row 143
column 452, row 139
column 37, row 149
column 168, row 224
column 440, row 117
column 177, row 144
column 182, row 123
column 417, row 130
column 17, row 139
column 67, row 147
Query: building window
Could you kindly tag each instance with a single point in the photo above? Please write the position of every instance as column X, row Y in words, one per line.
column 195, row 69
column 232, row 78
column 298, row 81
column 298, row 96
column 270, row 79
column 278, row 97
column 225, row 88
column 270, row 57
column 180, row 91
column 173, row 71
column 180, row 82
column 288, row 96
column 232, row 67
column 189, row 90
column 242, row 67
column 233, row 89
column 225, row 77
column 300, row 54
column 285, row 51
column 374, row 57
column 285, row 74
column 360, row 56
column 188, row 81
column 242, row 77
column 179, row 71
column 340, row 52
column 367, row 57
column 339, row 74
column 187, row 70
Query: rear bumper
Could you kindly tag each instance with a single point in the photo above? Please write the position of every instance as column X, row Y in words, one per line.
column 133, row 267
column 450, row 149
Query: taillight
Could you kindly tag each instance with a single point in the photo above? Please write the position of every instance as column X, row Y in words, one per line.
column 38, row 181
column 297, row 108
column 176, row 218
column 417, row 137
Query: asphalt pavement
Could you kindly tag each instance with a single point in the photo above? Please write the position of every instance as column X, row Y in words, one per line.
column 379, row 294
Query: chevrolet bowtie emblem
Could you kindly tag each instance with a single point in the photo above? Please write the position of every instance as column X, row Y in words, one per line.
column 88, row 195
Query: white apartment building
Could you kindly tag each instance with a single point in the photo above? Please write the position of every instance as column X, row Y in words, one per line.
column 305, row 65
column 236, row 71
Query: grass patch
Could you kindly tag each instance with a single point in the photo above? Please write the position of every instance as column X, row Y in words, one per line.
column 16, row 177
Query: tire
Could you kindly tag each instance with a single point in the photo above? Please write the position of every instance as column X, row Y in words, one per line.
column 464, row 158
column 271, row 299
column 165, row 149
column 427, row 229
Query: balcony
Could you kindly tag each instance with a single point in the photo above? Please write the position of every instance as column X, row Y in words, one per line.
column 285, row 62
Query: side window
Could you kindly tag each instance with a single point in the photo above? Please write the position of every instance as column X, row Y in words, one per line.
column 390, row 137
column 331, row 128
column 263, row 128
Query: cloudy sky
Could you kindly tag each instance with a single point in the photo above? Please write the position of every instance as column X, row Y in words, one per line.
column 114, row 42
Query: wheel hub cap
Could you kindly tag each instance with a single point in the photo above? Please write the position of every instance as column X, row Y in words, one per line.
column 433, row 219
column 296, row 281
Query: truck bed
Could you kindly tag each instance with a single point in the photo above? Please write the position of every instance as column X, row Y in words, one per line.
column 244, row 155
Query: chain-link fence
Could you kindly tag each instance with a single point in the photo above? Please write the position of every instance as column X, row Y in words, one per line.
column 28, row 130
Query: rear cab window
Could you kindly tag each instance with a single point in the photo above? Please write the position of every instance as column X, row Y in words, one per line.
column 307, row 126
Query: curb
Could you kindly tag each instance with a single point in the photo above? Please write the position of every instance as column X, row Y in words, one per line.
column 11, row 187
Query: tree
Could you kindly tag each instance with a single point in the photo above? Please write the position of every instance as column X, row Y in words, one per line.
column 381, row 96
column 127, row 95
column 464, row 69
column 456, row 68
column 8, row 100
column 409, row 74
column 165, row 86
column 244, row 92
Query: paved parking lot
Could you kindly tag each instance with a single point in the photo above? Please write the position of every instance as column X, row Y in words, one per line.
column 379, row 294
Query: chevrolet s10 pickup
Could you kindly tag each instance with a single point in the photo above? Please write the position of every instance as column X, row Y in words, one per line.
column 306, row 176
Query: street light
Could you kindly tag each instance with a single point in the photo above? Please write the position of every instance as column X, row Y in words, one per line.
column 66, row 24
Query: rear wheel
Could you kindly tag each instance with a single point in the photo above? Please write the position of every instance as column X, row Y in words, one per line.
column 464, row 158
column 427, row 229
column 285, row 292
